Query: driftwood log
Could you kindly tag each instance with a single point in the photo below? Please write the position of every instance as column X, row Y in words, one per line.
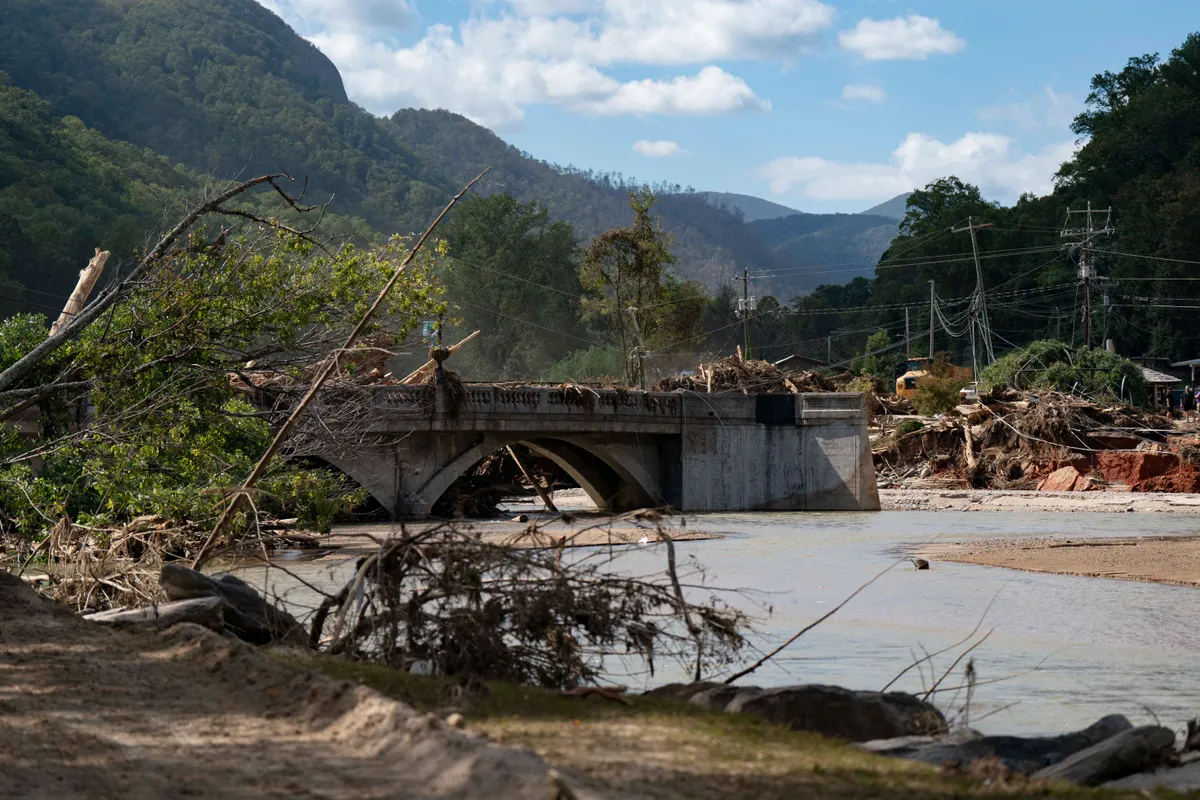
column 206, row 611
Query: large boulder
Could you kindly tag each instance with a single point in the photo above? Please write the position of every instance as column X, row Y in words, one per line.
column 842, row 713
column 247, row 614
column 1127, row 753
column 1022, row 754
column 1176, row 779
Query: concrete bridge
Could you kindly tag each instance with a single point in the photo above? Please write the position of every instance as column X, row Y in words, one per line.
column 627, row 449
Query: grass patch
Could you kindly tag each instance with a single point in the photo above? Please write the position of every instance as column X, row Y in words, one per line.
column 658, row 748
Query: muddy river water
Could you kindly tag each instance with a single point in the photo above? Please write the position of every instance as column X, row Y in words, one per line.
column 1070, row 649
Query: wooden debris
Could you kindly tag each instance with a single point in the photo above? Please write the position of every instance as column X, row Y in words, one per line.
column 83, row 289
column 206, row 611
column 614, row 693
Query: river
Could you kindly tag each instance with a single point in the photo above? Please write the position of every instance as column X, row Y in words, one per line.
column 1069, row 649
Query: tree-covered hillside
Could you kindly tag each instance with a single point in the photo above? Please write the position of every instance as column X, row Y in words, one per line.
column 64, row 190
column 221, row 86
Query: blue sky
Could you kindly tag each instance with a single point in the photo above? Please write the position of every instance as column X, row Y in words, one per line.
column 817, row 104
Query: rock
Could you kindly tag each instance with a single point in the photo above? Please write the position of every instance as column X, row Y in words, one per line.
column 1124, row 754
column 246, row 614
column 456, row 721
column 920, row 563
column 834, row 711
column 208, row 612
column 1061, row 480
column 682, row 691
column 900, row 746
column 906, row 746
column 717, row 697
column 1023, row 754
column 1179, row 779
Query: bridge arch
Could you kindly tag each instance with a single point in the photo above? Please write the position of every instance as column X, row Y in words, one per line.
column 613, row 481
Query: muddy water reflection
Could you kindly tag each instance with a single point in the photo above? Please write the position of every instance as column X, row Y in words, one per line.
column 1099, row 646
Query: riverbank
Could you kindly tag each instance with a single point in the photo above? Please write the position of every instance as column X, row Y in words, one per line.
column 1068, row 502
column 89, row 712
column 1161, row 559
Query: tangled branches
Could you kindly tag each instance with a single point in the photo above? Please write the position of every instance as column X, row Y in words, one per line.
column 458, row 605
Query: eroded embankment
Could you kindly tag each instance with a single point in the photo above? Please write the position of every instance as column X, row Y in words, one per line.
column 88, row 712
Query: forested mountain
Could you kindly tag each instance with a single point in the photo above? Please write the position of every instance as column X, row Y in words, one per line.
column 893, row 209
column 225, row 88
column 64, row 189
column 710, row 242
column 812, row 249
column 751, row 208
column 221, row 86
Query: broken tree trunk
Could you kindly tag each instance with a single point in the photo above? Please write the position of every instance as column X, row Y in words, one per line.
column 541, row 492
column 83, row 290
column 206, row 611
column 425, row 370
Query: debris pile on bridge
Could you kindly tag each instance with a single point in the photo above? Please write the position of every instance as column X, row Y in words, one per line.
column 1047, row 441
column 478, row 493
column 747, row 376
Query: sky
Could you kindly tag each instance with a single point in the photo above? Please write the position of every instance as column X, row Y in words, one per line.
column 823, row 106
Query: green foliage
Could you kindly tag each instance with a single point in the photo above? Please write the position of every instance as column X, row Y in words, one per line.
column 909, row 426
column 879, row 358
column 167, row 432
column 1053, row 365
column 316, row 496
column 624, row 269
column 937, row 395
column 512, row 274
column 597, row 363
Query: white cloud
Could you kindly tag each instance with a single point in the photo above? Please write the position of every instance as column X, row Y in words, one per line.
column 491, row 68
column 1048, row 109
column 377, row 16
column 988, row 160
column 911, row 37
column 658, row 149
column 711, row 91
column 534, row 8
column 864, row 92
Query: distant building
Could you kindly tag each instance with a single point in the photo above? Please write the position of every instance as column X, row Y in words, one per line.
column 801, row 362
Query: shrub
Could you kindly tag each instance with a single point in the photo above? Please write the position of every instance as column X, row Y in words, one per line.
column 937, row 395
column 1056, row 366
column 909, row 426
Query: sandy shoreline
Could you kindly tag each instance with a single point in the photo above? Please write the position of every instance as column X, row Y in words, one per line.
column 1157, row 559
column 1059, row 502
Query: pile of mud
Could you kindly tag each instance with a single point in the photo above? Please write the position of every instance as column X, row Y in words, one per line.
column 90, row 712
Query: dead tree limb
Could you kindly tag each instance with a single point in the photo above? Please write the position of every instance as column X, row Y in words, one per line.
column 753, row 667
column 111, row 296
column 331, row 364
column 529, row 477
column 83, row 290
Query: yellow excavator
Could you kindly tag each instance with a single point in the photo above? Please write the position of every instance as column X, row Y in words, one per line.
column 906, row 384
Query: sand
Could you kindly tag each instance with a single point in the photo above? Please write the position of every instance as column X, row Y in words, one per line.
column 1158, row 559
column 87, row 712
column 991, row 500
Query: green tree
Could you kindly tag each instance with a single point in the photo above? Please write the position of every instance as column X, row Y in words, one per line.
column 880, row 358
column 623, row 269
column 514, row 275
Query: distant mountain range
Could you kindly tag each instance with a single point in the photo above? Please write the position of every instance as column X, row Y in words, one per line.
column 892, row 209
column 224, row 87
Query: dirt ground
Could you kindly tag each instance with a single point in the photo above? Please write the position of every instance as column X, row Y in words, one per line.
column 1000, row 500
column 1165, row 559
column 86, row 712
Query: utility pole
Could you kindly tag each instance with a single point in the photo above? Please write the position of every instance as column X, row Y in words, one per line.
column 979, row 318
column 932, row 314
column 1057, row 324
column 907, row 338
column 1087, row 268
column 745, row 305
column 829, row 351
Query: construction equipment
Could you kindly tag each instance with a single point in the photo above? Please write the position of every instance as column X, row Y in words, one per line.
column 918, row 368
